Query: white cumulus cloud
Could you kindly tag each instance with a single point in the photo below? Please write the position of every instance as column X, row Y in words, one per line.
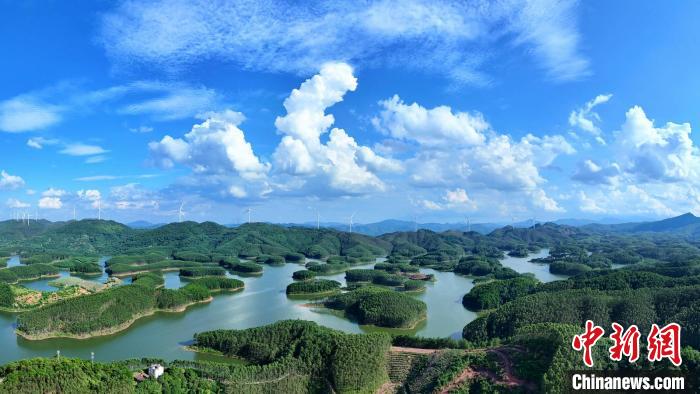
column 16, row 204
column 10, row 182
column 345, row 165
column 215, row 146
column 586, row 119
column 50, row 203
column 431, row 127
column 51, row 192
column 657, row 153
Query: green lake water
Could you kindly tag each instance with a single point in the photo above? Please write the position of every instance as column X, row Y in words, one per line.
column 262, row 302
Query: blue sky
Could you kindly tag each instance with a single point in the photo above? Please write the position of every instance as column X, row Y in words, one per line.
column 434, row 110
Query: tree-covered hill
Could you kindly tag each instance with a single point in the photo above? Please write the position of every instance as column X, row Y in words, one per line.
column 248, row 240
column 542, row 234
column 13, row 231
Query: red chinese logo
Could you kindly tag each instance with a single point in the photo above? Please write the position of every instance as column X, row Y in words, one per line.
column 587, row 340
column 626, row 343
column 665, row 343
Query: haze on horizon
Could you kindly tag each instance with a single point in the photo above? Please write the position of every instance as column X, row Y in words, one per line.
column 428, row 111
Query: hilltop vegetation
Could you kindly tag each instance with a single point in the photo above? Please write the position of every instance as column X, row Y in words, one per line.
column 199, row 242
column 116, row 308
column 305, row 356
column 312, row 287
column 379, row 307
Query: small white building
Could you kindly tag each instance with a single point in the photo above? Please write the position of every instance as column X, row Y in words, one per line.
column 155, row 371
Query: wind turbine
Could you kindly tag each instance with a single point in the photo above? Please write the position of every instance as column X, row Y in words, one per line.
column 351, row 217
column 469, row 224
column 180, row 212
column 318, row 220
column 249, row 210
column 99, row 209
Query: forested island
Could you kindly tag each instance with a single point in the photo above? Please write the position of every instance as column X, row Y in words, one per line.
column 521, row 338
column 116, row 309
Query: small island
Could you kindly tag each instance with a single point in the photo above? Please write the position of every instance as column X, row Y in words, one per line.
column 246, row 267
column 117, row 308
column 380, row 307
column 303, row 275
column 316, row 287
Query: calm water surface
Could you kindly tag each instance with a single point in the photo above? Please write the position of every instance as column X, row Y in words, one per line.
column 523, row 265
column 262, row 302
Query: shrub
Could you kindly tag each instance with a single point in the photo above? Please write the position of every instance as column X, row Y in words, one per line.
column 491, row 295
column 313, row 286
column 274, row 260
column 303, row 275
column 247, row 267
column 202, row 271
column 294, row 257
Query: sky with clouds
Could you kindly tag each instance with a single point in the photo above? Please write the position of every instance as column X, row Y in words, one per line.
column 434, row 110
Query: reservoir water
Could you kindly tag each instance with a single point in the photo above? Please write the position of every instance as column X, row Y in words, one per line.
column 262, row 302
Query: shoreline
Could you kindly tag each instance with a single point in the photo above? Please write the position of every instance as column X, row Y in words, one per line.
column 120, row 327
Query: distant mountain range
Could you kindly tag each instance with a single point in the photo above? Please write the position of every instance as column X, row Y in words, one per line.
column 393, row 226
column 687, row 224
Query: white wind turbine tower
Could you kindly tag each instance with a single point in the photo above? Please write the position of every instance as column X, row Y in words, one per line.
column 351, row 218
column 249, row 210
column 180, row 212
column 469, row 224
column 99, row 209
